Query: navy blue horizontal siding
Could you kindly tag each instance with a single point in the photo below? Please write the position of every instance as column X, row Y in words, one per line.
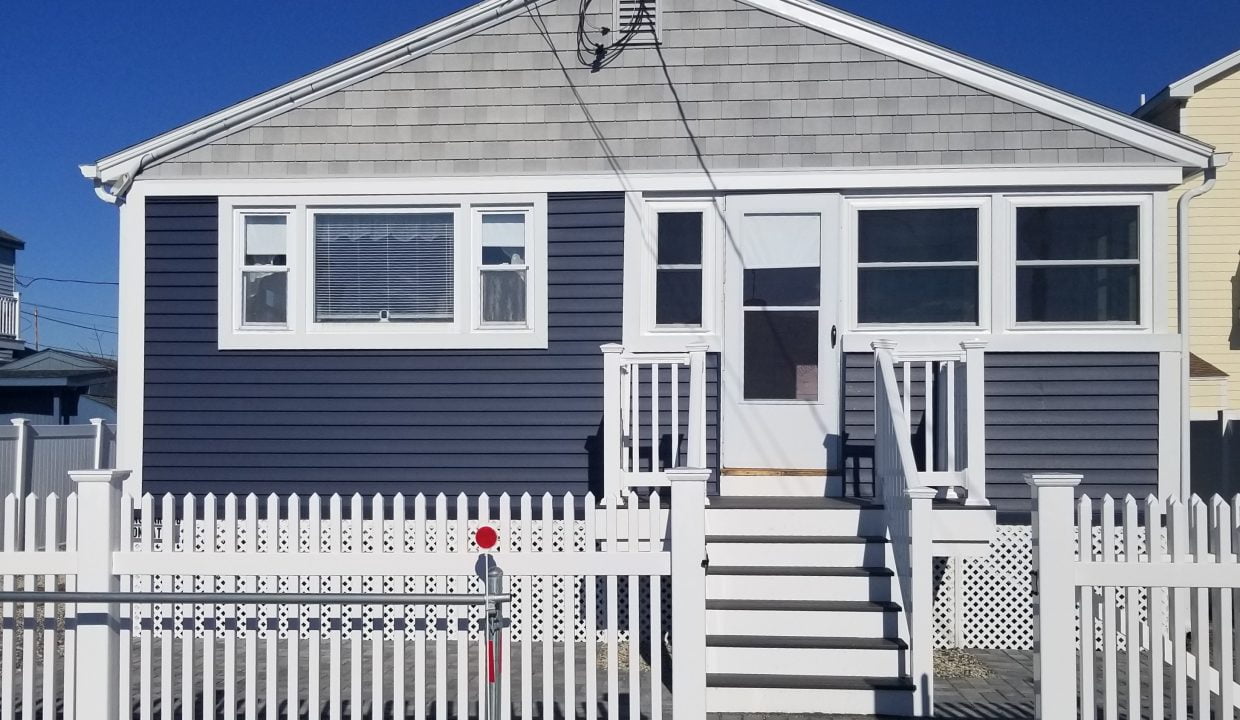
column 1091, row 413
column 381, row 420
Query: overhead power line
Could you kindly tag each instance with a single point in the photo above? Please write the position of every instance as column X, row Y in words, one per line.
column 69, row 310
column 31, row 315
column 31, row 281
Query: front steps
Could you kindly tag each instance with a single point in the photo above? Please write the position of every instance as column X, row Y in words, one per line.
column 799, row 610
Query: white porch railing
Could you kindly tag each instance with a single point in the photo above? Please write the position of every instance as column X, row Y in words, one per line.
column 654, row 416
column 907, row 505
column 11, row 316
column 952, row 397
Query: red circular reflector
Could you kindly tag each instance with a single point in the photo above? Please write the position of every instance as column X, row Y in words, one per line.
column 486, row 537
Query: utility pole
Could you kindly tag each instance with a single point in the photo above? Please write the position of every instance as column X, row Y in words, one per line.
column 36, row 328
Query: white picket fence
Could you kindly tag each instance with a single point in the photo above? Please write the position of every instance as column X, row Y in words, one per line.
column 1135, row 604
column 590, row 612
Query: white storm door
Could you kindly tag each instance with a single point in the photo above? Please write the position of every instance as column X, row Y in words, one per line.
column 780, row 388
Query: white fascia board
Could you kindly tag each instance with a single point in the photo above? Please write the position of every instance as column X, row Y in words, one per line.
column 855, row 179
column 310, row 87
column 1091, row 116
column 1185, row 87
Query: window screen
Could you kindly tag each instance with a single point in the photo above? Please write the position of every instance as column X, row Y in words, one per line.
column 383, row 267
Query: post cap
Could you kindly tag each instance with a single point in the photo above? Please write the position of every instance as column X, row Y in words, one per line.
column 611, row 348
column 921, row 493
column 687, row 474
column 98, row 476
column 1053, row 479
column 19, row 421
column 974, row 344
column 884, row 344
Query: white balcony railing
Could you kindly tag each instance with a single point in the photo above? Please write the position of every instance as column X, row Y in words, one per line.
column 654, row 416
column 11, row 316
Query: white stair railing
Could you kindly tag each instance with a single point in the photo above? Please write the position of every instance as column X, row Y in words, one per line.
column 654, row 416
column 907, row 505
column 952, row 397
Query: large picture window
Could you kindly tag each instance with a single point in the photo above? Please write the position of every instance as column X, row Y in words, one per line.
column 917, row 265
column 1078, row 264
column 383, row 272
column 383, row 267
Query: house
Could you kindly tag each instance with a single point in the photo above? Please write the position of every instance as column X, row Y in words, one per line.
column 54, row 387
column 1206, row 105
column 10, row 299
column 506, row 252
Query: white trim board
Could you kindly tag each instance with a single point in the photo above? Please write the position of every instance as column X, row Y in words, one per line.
column 131, row 342
column 858, row 179
column 119, row 169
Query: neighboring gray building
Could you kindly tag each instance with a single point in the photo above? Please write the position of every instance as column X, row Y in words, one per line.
column 54, row 387
column 10, row 299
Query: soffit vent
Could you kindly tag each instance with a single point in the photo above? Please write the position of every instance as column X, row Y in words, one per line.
column 638, row 20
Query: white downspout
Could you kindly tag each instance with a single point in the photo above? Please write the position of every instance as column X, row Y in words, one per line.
column 1218, row 160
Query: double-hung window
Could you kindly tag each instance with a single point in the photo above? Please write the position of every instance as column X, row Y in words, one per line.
column 383, row 272
column 1078, row 264
column 264, row 270
column 678, row 269
column 918, row 265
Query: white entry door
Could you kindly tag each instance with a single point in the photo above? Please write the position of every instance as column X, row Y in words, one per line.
column 780, row 386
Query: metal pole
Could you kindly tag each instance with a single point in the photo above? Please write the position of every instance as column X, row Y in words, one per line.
column 495, row 599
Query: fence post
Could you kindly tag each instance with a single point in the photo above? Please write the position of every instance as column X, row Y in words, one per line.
column 687, row 533
column 1054, row 604
column 21, row 474
column 611, row 435
column 99, row 525
column 975, row 417
column 921, row 615
column 696, row 456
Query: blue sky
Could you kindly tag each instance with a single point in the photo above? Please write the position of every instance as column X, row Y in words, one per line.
column 81, row 79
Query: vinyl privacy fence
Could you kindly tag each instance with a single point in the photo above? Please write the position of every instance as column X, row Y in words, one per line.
column 36, row 459
column 593, row 621
column 1134, row 604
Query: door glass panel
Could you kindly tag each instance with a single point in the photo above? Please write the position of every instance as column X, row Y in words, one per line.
column 781, row 355
column 783, row 287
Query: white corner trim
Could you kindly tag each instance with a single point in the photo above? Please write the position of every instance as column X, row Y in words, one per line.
column 310, row 87
column 302, row 333
column 1169, row 434
column 131, row 342
column 1088, row 115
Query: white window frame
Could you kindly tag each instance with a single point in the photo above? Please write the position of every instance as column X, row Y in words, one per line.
column 641, row 333
column 477, row 268
column 1144, row 202
column 850, row 281
column 237, row 259
column 302, row 332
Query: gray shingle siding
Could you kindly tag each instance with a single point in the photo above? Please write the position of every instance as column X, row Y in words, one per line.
column 1092, row 413
column 732, row 87
column 368, row 421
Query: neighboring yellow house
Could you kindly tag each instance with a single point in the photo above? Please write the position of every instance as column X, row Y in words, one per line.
column 1206, row 106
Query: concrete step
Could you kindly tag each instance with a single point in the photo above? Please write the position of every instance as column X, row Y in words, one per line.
column 794, row 516
column 844, row 695
column 739, row 654
column 805, row 550
column 797, row 583
column 822, row 618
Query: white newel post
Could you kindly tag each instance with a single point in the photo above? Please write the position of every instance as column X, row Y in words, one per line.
column 99, row 524
column 688, row 545
column 611, row 435
column 697, row 406
column 21, row 474
column 1054, row 604
column 975, row 412
column 921, row 616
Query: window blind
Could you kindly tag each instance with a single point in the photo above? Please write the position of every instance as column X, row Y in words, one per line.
column 373, row 267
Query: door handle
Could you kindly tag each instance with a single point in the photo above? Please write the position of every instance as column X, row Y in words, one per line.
column 834, row 335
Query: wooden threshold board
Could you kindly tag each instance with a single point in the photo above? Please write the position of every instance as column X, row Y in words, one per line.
column 774, row 472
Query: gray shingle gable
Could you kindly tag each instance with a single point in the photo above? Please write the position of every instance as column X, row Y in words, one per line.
column 732, row 88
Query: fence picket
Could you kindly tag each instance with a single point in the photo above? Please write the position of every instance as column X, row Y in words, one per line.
column 441, row 616
column 1200, row 613
column 591, row 610
column 210, row 614
column 7, row 637
column 570, row 613
column 30, row 526
column 232, row 627
column 1177, row 540
column 167, row 527
column 547, row 535
column 482, row 662
column 398, row 620
column 527, row 630
column 634, row 587
column 460, row 615
column 1085, row 522
column 1110, row 678
column 188, row 527
column 356, row 528
column 613, row 655
column 656, row 612
column 50, row 541
column 1224, row 649
column 1132, row 631
column 419, row 640
column 70, row 675
column 505, row 653
column 293, row 642
column 376, row 624
column 1156, row 598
